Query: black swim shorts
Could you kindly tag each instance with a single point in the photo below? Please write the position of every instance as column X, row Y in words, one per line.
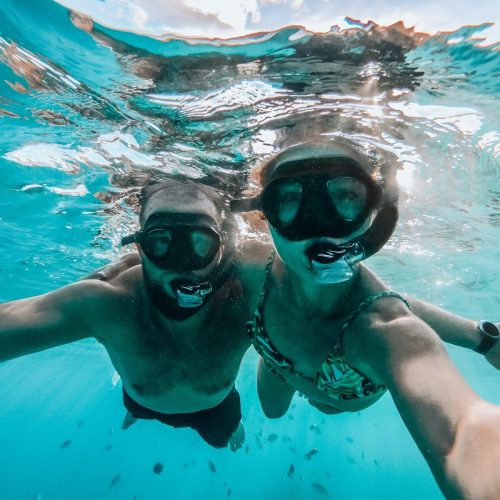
column 215, row 425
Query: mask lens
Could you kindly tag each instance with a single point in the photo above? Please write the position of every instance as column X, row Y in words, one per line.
column 158, row 242
column 203, row 243
column 288, row 197
column 349, row 196
column 181, row 248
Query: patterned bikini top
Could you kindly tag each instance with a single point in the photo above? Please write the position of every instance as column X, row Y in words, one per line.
column 336, row 378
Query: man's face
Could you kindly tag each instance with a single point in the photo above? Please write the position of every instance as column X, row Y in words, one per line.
column 184, row 200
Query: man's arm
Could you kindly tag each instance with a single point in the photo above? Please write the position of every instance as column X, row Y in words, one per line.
column 456, row 431
column 56, row 318
column 453, row 329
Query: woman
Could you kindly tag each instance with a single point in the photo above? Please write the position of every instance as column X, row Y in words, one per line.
column 328, row 327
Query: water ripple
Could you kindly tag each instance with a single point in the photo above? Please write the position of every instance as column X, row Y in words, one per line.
column 101, row 112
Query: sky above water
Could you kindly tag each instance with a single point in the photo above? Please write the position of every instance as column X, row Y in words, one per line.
column 231, row 18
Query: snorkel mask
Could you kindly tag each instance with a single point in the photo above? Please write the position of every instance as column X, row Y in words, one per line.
column 321, row 194
column 182, row 242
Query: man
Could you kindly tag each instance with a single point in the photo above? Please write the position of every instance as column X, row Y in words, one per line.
column 173, row 326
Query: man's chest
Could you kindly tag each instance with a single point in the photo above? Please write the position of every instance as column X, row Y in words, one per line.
column 202, row 354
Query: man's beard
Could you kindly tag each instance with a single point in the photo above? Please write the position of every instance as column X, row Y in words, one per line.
column 167, row 305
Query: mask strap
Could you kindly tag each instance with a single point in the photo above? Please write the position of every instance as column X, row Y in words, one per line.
column 131, row 238
column 245, row 204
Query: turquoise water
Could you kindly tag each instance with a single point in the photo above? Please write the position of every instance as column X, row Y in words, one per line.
column 87, row 118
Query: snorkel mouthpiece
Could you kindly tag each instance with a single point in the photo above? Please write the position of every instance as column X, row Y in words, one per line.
column 192, row 295
column 334, row 263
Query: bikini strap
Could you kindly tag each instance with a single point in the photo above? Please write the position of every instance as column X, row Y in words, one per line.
column 363, row 306
column 256, row 330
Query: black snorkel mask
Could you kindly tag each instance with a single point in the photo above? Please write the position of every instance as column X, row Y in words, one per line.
column 181, row 242
column 330, row 196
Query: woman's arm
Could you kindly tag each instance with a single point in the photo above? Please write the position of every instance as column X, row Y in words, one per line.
column 456, row 431
column 454, row 329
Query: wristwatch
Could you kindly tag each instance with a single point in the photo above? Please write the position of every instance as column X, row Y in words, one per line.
column 490, row 335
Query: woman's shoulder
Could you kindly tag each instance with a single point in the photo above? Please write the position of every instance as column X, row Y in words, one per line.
column 376, row 305
column 387, row 337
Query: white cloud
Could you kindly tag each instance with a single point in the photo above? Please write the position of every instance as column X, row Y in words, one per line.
column 272, row 2
column 234, row 14
column 294, row 4
column 231, row 18
column 158, row 16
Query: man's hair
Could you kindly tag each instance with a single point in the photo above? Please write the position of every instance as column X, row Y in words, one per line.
column 180, row 187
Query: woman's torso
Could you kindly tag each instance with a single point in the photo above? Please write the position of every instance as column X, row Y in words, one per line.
column 305, row 347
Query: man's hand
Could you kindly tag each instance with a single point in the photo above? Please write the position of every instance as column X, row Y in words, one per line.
column 113, row 269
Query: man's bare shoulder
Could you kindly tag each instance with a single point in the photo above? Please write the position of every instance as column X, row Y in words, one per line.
column 124, row 282
column 94, row 291
column 115, row 268
column 104, row 304
column 86, row 292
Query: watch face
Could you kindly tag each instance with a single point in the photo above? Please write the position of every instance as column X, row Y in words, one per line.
column 489, row 329
column 490, row 334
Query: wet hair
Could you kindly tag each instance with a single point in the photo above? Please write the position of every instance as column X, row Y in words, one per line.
column 182, row 186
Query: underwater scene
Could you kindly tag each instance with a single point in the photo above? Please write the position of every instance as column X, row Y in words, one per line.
column 90, row 114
